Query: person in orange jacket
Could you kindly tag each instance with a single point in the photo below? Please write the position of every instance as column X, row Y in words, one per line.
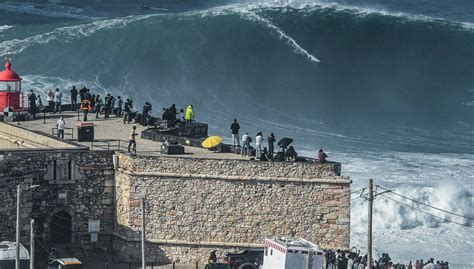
column 85, row 108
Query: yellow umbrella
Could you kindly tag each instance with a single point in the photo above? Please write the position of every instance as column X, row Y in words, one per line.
column 211, row 142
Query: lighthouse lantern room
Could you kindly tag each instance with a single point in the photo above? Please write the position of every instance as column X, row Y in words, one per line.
column 10, row 88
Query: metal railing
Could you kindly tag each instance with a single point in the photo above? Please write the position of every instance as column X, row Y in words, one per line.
column 109, row 144
column 54, row 132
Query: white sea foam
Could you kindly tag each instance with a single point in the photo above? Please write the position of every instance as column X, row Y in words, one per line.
column 3, row 28
column 445, row 181
column 44, row 9
column 297, row 48
column 67, row 34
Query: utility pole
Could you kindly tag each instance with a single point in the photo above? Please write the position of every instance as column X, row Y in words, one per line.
column 369, row 232
column 143, row 234
column 17, row 246
column 32, row 244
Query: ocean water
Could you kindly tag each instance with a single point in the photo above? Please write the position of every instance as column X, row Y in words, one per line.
column 385, row 87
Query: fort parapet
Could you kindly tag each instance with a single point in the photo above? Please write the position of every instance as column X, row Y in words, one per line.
column 196, row 205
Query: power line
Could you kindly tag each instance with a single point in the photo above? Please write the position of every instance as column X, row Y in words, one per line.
column 358, row 197
column 417, row 209
column 41, row 245
column 354, row 192
column 430, row 206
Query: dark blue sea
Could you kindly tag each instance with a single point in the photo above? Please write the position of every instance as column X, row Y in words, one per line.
column 385, row 87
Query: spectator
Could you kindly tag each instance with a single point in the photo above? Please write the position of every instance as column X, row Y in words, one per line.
column 73, row 98
column 145, row 113
column 98, row 105
column 85, row 107
column 82, row 93
column 189, row 115
column 40, row 103
column 166, row 117
column 107, row 105
column 322, row 156
column 118, row 107
column 258, row 145
column 271, row 147
column 131, row 140
column 57, row 100
column 182, row 116
column 245, row 151
column 32, row 103
column 61, row 125
column 172, row 114
column 128, row 111
column 235, row 127
column 50, row 100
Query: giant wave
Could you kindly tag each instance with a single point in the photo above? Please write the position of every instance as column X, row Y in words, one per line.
column 374, row 88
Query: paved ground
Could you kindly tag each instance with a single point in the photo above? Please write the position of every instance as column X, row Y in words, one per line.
column 112, row 130
column 101, row 265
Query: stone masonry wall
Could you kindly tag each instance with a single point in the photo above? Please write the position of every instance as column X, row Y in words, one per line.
column 79, row 182
column 197, row 205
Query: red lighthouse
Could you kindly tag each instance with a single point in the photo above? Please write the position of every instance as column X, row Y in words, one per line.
column 10, row 88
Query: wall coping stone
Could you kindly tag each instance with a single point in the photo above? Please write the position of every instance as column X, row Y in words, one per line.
column 335, row 180
column 191, row 243
column 197, row 158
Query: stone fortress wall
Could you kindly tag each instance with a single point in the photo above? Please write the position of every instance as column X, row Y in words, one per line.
column 193, row 205
column 196, row 205
column 75, row 183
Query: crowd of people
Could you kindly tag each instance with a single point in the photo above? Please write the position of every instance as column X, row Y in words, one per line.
column 107, row 106
column 354, row 260
column 265, row 152
column 263, row 149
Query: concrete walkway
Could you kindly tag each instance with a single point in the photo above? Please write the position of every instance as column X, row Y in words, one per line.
column 108, row 131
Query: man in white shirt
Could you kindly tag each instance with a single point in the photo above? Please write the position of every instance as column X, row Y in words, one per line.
column 57, row 100
column 61, row 126
column 258, row 145
column 131, row 140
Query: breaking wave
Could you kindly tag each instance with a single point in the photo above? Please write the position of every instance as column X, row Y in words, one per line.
column 373, row 88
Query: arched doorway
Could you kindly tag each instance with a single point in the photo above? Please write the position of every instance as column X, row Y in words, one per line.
column 61, row 227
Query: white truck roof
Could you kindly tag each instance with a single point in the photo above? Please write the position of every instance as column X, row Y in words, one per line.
column 290, row 253
column 292, row 245
column 8, row 251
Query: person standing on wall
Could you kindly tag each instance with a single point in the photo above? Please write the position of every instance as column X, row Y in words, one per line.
column 182, row 116
column 40, row 103
column 245, row 145
column 271, row 148
column 50, row 100
column 235, row 127
column 61, row 124
column 128, row 111
column 107, row 105
column 97, row 106
column 131, row 140
column 118, row 107
column 189, row 115
column 322, row 156
column 258, row 145
column 74, row 93
column 85, row 107
column 57, row 100
column 172, row 113
column 32, row 103
column 82, row 93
